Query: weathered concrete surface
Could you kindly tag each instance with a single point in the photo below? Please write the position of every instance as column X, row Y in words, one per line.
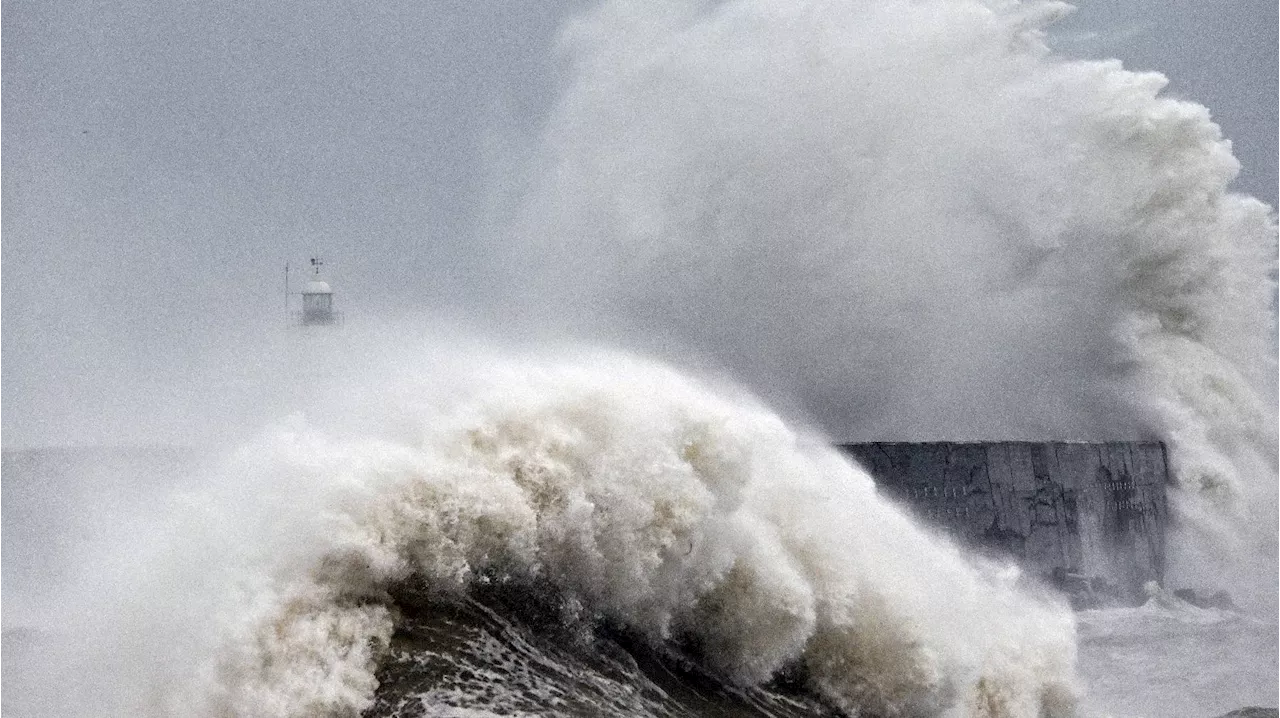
column 1096, row 509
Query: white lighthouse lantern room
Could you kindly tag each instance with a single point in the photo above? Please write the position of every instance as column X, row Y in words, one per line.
column 317, row 299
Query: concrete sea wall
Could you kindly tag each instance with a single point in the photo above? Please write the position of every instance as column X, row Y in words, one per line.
column 1090, row 509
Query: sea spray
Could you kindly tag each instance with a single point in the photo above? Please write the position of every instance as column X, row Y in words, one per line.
column 918, row 222
column 641, row 495
column 691, row 516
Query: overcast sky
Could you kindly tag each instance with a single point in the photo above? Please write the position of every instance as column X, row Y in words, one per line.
column 163, row 160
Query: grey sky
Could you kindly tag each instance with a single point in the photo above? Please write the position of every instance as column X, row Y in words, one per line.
column 162, row 158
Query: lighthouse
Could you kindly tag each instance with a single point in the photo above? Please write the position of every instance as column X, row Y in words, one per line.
column 317, row 299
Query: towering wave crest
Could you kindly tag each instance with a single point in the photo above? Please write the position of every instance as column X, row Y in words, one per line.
column 922, row 222
column 688, row 515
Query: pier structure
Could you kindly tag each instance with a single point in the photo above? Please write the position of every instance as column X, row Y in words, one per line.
column 1060, row 509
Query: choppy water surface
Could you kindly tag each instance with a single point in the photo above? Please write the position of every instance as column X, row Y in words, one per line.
column 1152, row 661
column 1176, row 660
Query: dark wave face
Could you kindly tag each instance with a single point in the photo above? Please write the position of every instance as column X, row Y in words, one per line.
column 516, row 650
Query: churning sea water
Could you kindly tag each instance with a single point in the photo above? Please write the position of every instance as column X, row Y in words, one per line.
column 1168, row 658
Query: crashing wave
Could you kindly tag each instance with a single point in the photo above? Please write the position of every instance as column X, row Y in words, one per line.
column 685, row 516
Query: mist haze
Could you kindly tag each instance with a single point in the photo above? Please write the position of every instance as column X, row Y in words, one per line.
column 163, row 164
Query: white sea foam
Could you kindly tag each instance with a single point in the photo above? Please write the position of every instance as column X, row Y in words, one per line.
column 649, row 498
